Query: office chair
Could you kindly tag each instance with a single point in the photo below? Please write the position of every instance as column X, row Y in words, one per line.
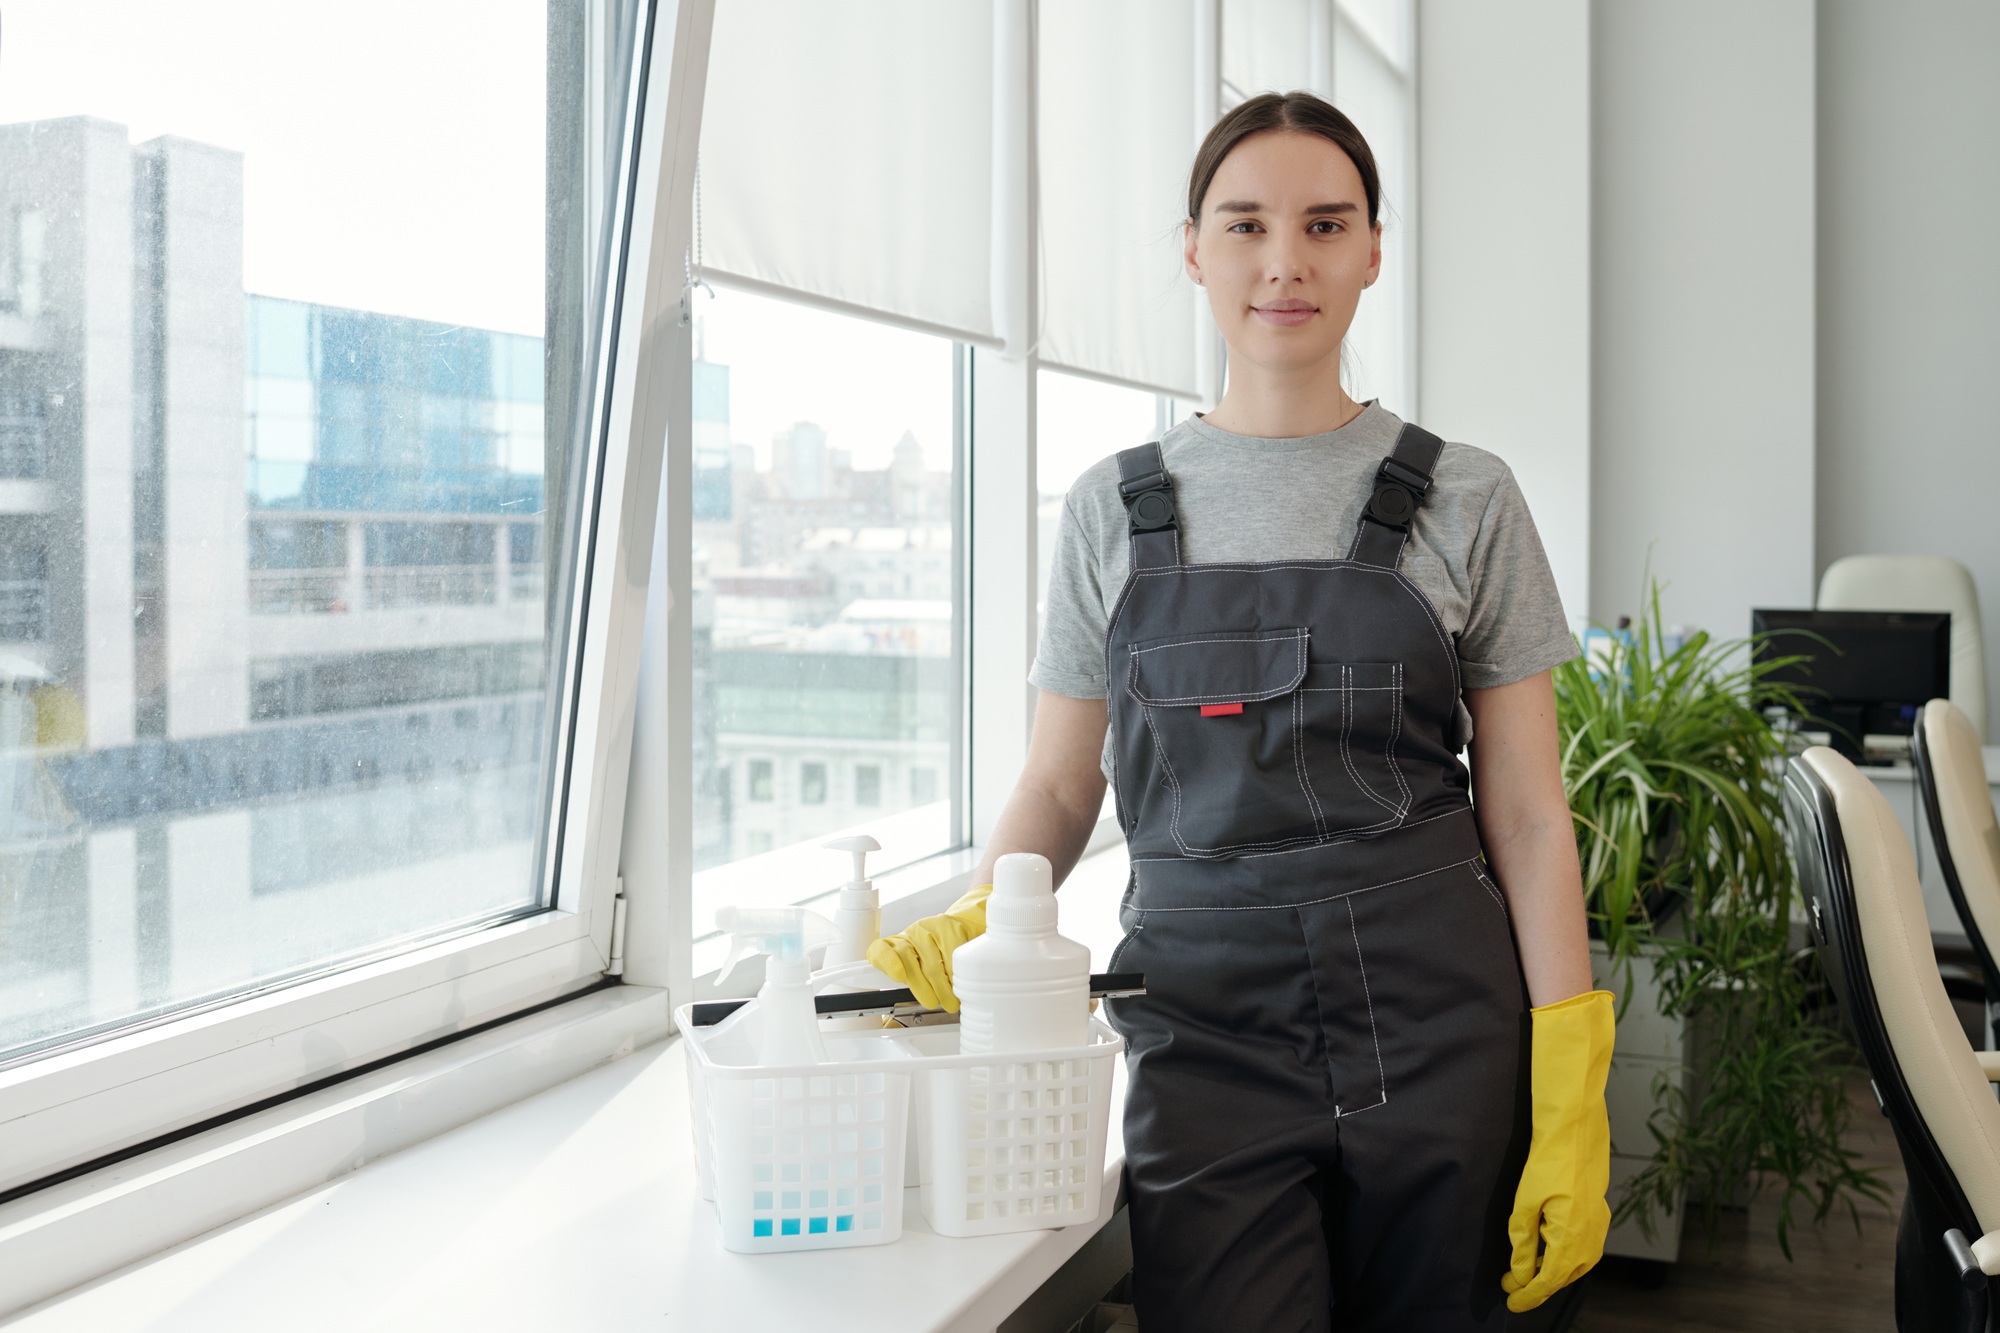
column 1866, row 913
column 1919, row 583
column 1958, row 804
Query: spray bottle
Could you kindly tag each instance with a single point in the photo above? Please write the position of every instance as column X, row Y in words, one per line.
column 786, row 1024
column 859, row 918
column 1021, row 986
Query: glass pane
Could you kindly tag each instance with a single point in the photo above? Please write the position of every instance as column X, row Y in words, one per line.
column 826, row 611
column 1078, row 422
column 294, row 304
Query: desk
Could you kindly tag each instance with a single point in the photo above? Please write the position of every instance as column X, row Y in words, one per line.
column 1899, row 784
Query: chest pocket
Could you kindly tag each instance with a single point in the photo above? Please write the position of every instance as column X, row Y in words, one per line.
column 1257, row 747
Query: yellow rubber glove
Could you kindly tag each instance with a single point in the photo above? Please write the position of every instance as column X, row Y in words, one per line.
column 1560, row 1214
column 920, row 957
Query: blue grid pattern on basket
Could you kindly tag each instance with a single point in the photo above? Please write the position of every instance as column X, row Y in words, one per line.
column 818, row 1154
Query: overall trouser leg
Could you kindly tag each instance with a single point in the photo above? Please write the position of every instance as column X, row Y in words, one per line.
column 1326, row 1114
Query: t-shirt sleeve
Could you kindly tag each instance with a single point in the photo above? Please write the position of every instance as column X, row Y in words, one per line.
column 1515, row 627
column 1070, row 659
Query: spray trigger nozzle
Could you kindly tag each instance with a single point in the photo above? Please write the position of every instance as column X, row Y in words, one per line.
column 787, row 934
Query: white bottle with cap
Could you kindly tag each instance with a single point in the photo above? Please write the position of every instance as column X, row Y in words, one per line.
column 859, row 916
column 1021, row 986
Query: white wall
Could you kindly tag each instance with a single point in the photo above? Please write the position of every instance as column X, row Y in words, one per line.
column 1703, row 310
column 1909, row 286
column 1503, row 349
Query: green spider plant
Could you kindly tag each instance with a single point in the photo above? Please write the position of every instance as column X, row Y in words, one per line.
column 1674, row 776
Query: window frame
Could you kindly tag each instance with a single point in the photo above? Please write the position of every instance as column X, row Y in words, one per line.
column 74, row 1105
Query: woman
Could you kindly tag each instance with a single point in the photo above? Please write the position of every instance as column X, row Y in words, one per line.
column 1274, row 632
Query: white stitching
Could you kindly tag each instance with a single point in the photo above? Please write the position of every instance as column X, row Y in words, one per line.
column 1299, row 762
column 1347, row 749
column 1275, row 636
column 1492, row 890
column 1311, row 902
column 1172, row 781
column 1416, row 595
column 1180, row 840
column 1381, row 1074
column 1389, row 750
column 1298, row 637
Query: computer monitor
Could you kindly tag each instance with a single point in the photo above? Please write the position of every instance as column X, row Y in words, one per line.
column 1871, row 674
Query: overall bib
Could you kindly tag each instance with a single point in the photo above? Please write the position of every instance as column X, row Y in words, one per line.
column 1327, row 1111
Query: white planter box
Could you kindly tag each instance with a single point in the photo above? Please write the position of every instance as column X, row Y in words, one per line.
column 1649, row 1045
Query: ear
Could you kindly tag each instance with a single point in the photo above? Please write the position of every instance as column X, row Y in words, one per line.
column 1374, row 254
column 1193, row 265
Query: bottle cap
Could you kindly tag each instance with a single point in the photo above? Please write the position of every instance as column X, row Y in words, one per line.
column 1023, row 894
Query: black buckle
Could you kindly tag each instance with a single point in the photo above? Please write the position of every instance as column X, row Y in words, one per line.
column 1152, row 510
column 1399, row 489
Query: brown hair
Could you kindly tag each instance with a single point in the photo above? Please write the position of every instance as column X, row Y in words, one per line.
column 1302, row 113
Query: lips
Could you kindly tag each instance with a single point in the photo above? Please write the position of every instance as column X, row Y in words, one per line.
column 1285, row 313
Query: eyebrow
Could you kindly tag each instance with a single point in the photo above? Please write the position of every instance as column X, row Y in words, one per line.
column 1314, row 210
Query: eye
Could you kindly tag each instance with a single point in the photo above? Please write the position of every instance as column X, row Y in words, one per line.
column 1245, row 228
column 1325, row 227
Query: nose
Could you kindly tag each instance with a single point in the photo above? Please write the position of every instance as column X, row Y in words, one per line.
column 1285, row 261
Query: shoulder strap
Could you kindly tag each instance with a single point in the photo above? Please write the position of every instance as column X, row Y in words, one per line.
column 1401, row 484
column 1148, row 493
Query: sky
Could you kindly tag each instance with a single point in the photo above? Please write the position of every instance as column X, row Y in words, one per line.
column 392, row 150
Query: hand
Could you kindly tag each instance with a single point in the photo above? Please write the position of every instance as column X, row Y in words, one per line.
column 920, row 957
column 1560, row 1215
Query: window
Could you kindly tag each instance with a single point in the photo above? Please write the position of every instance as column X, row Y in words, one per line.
column 826, row 612
column 289, row 598
column 1080, row 422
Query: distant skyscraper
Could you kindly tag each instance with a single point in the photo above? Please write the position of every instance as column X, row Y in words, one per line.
column 799, row 461
column 712, row 468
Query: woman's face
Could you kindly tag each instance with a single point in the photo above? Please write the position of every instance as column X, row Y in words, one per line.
column 1284, row 249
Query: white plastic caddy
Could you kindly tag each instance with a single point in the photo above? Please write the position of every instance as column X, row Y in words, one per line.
column 811, row 1157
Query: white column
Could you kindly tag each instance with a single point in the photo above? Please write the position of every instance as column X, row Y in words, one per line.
column 1002, row 457
column 1703, row 327
column 1503, row 347
column 1208, row 352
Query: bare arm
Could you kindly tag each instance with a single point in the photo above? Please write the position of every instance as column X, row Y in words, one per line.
column 1061, row 788
column 1524, row 822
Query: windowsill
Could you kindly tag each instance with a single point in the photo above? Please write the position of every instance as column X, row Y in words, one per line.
column 573, row 1206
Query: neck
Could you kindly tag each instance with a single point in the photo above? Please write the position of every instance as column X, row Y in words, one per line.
column 1283, row 403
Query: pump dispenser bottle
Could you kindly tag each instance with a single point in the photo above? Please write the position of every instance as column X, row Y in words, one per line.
column 786, row 1024
column 1021, row 986
column 859, row 917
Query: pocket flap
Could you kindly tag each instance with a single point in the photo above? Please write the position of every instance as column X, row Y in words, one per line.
column 1238, row 666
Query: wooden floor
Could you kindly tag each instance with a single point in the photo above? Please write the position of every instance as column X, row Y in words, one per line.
column 1839, row 1282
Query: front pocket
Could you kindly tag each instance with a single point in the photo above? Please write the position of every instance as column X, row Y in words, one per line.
column 1352, row 719
column 1235, row 780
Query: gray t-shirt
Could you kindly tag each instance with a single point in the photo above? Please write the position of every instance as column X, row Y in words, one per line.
column 1473, row 550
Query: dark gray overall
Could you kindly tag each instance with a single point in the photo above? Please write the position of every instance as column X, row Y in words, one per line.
column 1327, row 1112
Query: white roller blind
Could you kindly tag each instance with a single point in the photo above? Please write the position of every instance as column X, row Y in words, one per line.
column 1372, row 84
column 846, row 154
column 1116, row 137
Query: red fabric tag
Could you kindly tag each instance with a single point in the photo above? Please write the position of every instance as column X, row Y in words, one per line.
column 1221, row 710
